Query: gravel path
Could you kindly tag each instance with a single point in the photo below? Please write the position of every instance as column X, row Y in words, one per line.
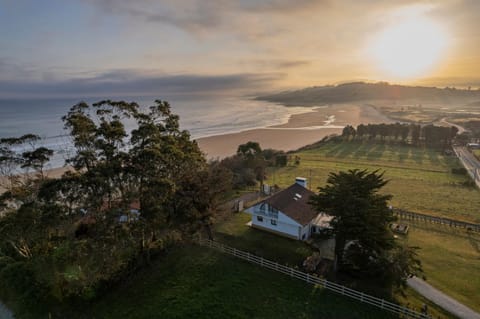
column 442, row 299
column 5, row 313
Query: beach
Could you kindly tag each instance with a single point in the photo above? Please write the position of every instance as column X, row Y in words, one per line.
column 300, row 130
column 51, row 173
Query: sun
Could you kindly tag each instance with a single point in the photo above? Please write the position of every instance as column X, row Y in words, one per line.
column 409, row 48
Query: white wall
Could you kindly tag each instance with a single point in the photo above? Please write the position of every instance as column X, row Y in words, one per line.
column 306, row 230
column 284, row 224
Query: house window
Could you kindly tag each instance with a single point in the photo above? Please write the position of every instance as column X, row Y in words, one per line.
column 260, row 218
column 273, row 222
column 314, row 229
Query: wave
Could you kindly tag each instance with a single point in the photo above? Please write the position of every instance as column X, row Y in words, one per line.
column 202, row 117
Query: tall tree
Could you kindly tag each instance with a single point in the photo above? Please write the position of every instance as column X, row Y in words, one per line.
column 359, row 212
column 364, row 243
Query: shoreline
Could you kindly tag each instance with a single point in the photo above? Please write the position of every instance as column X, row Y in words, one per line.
column 51, row 173
column 300, row 130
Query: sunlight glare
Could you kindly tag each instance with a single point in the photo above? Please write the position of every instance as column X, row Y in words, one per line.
column 410, row 48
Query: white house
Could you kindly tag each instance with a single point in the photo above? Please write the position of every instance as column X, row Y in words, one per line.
column 288, row 213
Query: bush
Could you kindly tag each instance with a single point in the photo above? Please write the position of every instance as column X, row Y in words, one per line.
column 281, row 160
column 22, row 292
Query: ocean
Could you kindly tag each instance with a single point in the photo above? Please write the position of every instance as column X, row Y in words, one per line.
column 201, row 116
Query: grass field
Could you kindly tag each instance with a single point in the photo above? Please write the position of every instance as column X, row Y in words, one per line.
column 451, row 260
column 196, row 282
column 234, row 232
column 476, row 153
column 420, row 179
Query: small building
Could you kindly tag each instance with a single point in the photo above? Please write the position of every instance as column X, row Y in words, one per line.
column 288, row 213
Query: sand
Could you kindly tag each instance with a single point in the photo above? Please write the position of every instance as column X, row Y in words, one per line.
column 301, row 129
column 52, row 173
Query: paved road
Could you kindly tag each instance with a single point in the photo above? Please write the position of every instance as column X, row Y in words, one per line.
column 470, row 162
column 442, row 299
column 444, row 122
column 5, row 313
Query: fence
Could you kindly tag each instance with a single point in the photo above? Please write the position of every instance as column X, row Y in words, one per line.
column 437, row 220
column 314, row 280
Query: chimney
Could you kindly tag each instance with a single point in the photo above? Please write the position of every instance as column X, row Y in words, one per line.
column 302, row 181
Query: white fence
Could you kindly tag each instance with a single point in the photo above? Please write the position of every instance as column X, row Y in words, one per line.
column 314, row 280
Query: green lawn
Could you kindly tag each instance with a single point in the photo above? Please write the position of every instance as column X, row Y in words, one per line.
column 420, row 179
column 451, row 260
column 196, row 282
column 236, row 233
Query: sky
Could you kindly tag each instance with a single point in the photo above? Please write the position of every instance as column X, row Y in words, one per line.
column 60, row 48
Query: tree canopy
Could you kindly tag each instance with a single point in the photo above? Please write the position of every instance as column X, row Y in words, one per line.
column 139, row 184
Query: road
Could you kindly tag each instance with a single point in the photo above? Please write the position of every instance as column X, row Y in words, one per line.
column 444, row 122
column 442, row 299
column 470, row 162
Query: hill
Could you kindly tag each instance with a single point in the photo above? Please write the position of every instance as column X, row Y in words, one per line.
column 361, row 91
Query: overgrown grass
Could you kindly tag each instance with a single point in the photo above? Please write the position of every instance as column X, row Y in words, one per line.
column 420, row 179
column 195, row 282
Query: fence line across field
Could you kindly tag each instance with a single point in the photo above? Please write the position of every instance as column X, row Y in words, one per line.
column 312, row 279
column 436, row 220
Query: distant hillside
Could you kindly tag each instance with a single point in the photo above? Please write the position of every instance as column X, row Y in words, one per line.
column 361, row 91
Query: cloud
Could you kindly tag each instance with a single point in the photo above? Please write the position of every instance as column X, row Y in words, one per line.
column 11, row 70
column 120, row 83
column 276, row 64
column 190, row 15
column 199, row 15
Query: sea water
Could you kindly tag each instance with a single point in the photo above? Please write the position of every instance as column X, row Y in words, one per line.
column 201, row 116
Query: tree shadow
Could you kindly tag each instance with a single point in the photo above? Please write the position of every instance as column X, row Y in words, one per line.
column 416, row 156
column 348, row 149
column 376, row 152
column 334, row 149
column 361, row 151
column 434, row 157
column 402, row 153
